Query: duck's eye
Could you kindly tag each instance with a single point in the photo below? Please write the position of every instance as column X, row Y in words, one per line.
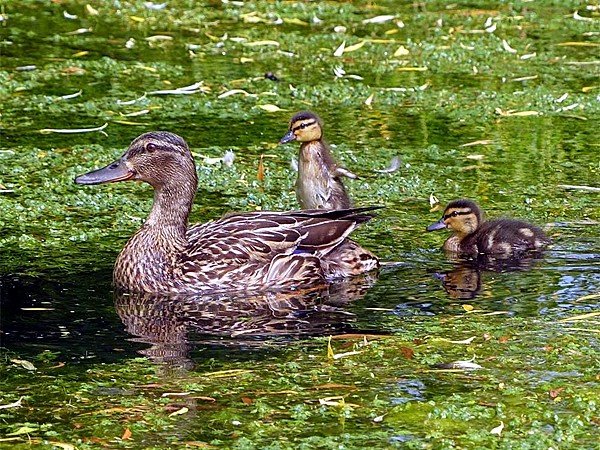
column 303, row 126
column 150, row 147
column 454, row 214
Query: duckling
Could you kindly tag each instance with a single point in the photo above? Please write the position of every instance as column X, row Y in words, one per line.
column 319, row 184
column 244, row 251
column 472, row 235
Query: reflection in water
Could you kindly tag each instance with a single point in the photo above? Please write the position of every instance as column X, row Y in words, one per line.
column 172, row 324
column 463, row 281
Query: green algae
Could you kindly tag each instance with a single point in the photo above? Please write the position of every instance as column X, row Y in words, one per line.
column 454, row 84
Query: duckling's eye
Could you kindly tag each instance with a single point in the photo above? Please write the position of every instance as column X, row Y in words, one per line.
column 150, row 147
column 454, row 214
column 303, row 126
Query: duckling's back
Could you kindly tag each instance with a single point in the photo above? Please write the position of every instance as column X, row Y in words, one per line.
column 506, row 236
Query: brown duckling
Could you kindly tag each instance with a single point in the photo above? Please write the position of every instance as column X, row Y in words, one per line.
column 472, row 235
column 319, row 184
column 244, row 251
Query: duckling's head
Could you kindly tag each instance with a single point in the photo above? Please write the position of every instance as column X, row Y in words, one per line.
column 158, row 158
column 461, row 216
column 305, row 126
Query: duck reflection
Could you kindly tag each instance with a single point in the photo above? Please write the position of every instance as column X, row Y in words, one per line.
column 172, row 325
column 463, row 281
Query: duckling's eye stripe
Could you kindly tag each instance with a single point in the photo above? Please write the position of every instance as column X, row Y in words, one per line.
column 304, row 125
column 456, row 213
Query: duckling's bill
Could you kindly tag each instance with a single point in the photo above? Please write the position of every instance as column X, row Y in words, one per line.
column 439, row 225
column 290, row 136
column 117, row 171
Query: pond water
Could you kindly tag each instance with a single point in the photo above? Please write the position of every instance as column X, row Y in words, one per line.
column 466, row 116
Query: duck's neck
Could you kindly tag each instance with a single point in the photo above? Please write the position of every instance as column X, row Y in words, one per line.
column 148, row 261
column 170, row 211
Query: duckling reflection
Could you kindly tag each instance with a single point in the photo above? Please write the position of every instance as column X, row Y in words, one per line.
column 173, row 324
column 319, row 184
column 464, row 280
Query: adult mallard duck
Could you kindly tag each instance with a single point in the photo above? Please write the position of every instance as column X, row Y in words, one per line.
column 319, row 183
column 472, row 235
column 246, row 251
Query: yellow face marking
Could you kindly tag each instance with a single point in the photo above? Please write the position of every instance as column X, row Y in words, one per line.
column 461, row 220
column 306, row 130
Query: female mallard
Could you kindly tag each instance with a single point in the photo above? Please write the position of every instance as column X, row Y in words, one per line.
column 472, row 235
column 246, row 251
column 319, row 185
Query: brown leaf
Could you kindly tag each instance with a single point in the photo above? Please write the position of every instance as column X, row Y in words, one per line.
column 503, row 339
column 407, row 352
column 247, row 400
column 60, row 364
column 332, row 386
column 418, row 341
column 126, row 435
column 260, row 175
column 553, row 393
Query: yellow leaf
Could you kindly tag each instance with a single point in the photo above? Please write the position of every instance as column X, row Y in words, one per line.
column 589, row 88
column 78, row 54
column 351, row 48
column 369, row 100
column 179, row 412
column 580, row 317
column 411, row 69
column 468, row 307
column 261, row 43
column 295, row 21
column 579, row 44
column 269, row 108
column 245, row 60
column 137, row 19
column 62, row 445
column 402, row 51
column 91, row 10
column 330, row 354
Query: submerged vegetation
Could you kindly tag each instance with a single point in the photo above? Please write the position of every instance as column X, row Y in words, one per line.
column 496, row 101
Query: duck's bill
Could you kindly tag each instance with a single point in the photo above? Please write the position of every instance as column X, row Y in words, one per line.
column 287, row 138
column 117, row 171
column 439, row 225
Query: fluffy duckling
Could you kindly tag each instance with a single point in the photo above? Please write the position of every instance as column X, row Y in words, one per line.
column 244, row 251
column 319, row 184
column 472, row 235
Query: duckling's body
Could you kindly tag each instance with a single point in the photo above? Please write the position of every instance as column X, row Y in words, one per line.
column 472, row 235
column 247, row 251
column 319, row 184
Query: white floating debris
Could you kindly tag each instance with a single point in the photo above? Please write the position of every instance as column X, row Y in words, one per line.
column 378, row 19
column 339, row 72
column 507, row 47
column 228, row 158
column 498, row 430
column 393, row 167
column 130, row 43
column 235, row 92
column 154, row 6
column 340, row 50
column 68, row 96
column 66, row 15
column 186, row 90
column 528, row 56
column 74, row 130
column 137, row 113
column 562, row 98
column 79, row 31
column 131, row 102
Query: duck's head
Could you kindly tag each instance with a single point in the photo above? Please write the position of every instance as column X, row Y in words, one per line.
column 157, row 157
column 461, row 216
column 305, row 126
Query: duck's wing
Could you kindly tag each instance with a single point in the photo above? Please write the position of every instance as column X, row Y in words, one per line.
column 267, row 247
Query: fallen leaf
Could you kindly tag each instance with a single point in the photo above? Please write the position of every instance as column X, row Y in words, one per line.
column 126, row 434
column 402, row 51
column 260, row 172
column 407, row 352
column 24, row 364
column 503, row 339
column 179, row 412
column 498, row 429
column 340, row 50
column 246, row 400
column 261, row 43
column 269, row 108
column 354, row 47
column 554, row 393
column 467, row 307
